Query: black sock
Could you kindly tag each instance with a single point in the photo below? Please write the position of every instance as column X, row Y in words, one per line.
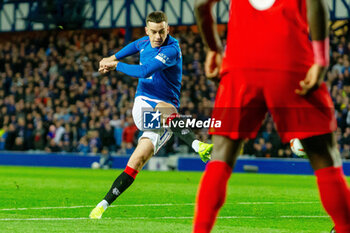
column 120, row 184
column 185, row 134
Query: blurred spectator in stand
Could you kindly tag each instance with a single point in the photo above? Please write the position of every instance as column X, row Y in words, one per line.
column 19, row 144
column 118, row 126
column 11, row 137
column 128, row 136
column 345, row 151
column 29, row 137
column 60, row 130
column 51, row 133
column 107, row 137
column 82, row 130
column 259, row 147
column 94, row 141
column 52, row 146
column 67, row 139
column 106, row 160
column 83, row 146
column 39, row 136
column 3, row 135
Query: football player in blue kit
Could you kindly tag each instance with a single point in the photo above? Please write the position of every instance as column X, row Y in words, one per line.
column 158, row 91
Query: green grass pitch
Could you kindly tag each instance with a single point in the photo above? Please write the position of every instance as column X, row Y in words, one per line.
column 60, row 200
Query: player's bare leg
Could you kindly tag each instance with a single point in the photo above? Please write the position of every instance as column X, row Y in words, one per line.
column 169, row 112
column 334, row 190
column 322, row 151
column 143, row 152
column 212, row 191
column 226, row 150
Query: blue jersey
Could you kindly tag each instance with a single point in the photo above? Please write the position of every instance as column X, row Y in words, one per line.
column 160, row 69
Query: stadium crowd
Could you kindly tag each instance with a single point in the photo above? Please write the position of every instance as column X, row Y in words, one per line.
column 53, row 99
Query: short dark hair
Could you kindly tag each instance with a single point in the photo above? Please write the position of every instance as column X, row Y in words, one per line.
column 156, row 17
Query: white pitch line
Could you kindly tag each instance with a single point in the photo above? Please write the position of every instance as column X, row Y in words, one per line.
column 305, row 216
column 91, row 206
column 149, row 218
column 40, row 219
column 48, row 208
column 277, row 202
column 159, row 204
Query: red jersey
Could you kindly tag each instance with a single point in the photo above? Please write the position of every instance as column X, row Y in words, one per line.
column 129, row 133
column 268, row 34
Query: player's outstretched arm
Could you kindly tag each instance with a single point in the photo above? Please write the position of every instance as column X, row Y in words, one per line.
column 141, row 71
column 318, row 19
column 109, row 63
column 167, row 58
column 138, row 71
column 207, row 27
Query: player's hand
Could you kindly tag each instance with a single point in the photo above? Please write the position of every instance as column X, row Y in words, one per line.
column 212, row 64
column 107, row 66
column 313, row 79
column 103, row 63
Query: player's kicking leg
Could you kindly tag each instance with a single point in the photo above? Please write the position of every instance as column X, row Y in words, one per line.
column 334, row 191
column 143, row 152
column 169, row 113
column 212, row 190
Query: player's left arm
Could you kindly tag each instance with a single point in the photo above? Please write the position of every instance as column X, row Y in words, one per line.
column 207, row 26
column 317, row 15
column 167, row 57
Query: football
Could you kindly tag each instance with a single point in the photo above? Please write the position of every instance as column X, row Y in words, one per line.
column 297, row 147
column 95, row 165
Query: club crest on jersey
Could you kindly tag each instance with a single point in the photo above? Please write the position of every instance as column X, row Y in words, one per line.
column 262, row 5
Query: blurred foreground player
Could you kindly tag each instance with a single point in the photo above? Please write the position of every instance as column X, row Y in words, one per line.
column 270, row 64
column 158, row 91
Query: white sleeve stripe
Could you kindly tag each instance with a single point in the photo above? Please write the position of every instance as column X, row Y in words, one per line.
column 160, row 59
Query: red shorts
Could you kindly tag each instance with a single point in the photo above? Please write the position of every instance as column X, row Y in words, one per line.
column 245, row 96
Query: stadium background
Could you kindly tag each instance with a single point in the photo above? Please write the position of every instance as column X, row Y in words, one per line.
column 56, row 110
column 52, row 98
